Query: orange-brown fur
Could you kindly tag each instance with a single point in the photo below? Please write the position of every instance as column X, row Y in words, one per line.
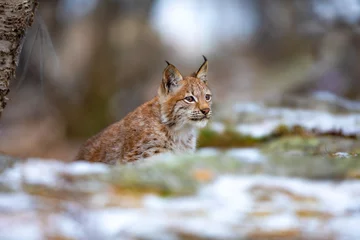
column 166, row 123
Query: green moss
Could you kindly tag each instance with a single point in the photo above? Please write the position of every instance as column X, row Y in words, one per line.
column 313, row 145
column 311, row 166
column 293, row 143
column 310, row 156
column 281, row 139
column 284, row 130
column 181, row 175
column 227, row 139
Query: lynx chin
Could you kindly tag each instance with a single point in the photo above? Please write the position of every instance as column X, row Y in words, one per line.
column 166, row 123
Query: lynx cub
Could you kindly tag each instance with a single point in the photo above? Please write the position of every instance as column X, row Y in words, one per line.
column 166, row 123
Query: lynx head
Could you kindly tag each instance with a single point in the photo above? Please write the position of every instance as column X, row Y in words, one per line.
column 185, row 101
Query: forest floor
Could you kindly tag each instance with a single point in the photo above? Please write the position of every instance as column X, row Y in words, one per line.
column 266, row 171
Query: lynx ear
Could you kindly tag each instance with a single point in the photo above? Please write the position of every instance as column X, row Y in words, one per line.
column 171, row 78
column 202, row 72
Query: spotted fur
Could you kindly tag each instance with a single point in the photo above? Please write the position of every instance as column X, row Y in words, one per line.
column 167, row 123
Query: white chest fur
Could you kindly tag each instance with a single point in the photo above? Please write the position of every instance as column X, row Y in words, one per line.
column 184, row 141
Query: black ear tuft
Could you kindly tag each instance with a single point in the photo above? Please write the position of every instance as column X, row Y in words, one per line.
column 167, row 62
column 202, row 72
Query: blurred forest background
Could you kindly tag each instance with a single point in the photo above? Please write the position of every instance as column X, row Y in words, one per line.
column 87, row 63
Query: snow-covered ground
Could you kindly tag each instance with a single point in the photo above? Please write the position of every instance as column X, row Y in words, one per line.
column 214, row 194
column 231, row 206
column 258, row 120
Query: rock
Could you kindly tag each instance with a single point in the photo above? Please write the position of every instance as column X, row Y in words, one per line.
column 210, row 195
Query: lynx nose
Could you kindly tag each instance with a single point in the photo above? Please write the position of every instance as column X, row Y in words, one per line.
column 205, row 111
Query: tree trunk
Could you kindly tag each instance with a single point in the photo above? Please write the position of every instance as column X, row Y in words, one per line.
column 16, row 16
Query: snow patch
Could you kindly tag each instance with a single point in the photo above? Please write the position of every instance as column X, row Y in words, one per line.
column 349, row 124
column 12, row 202
column 46, row 172
column 217, row 127
column 222, row 209
column 84, row 168
column 207, row 152
column 249, row 155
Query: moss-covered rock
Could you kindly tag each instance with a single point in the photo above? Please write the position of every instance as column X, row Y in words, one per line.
column 227, row 139
column 177, row 175
column 316, row 145
column 176, row 196
column 311, row 166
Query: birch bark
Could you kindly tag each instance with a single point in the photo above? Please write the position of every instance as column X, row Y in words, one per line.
column 16, row 16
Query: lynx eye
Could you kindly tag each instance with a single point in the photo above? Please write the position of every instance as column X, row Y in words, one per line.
column 189, row 99
column 207, row 97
